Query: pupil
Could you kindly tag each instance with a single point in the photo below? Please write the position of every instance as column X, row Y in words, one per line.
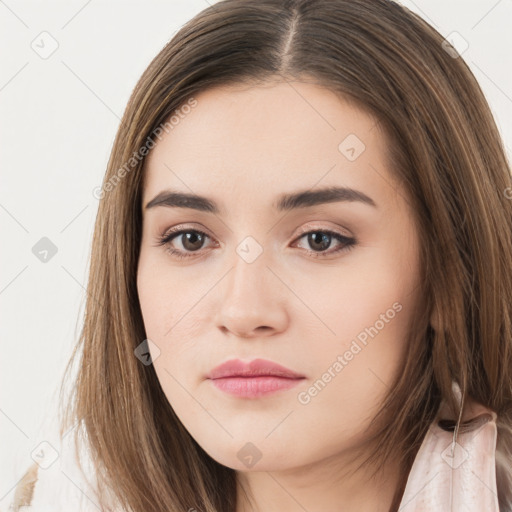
column 192, row 238
column 318, row 238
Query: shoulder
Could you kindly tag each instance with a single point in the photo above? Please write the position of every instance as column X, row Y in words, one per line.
column 25, row 489
column 504, row 464
column 472, row 473
column 56, row 482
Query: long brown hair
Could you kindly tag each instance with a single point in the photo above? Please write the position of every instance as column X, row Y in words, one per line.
column 444, row 148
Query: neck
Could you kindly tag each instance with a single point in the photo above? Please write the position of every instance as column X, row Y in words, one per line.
column 332, row 484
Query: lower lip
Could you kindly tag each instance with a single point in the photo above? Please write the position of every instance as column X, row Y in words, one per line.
column 253, row 387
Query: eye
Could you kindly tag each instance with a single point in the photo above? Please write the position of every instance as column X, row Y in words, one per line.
column 192, row 241
column 320, row 240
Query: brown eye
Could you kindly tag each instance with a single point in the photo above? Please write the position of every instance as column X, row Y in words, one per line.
column 192, row 240
column 321, row 240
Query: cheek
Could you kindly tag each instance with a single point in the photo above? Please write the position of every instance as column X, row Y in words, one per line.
column 362, row 338
column 373, row 291
column 173, row 318
column 166, row 295
column 358, row 311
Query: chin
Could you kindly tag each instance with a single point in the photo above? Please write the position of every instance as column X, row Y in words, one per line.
column 247, row 456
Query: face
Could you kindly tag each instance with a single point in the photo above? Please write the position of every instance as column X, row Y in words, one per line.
column 324, row 285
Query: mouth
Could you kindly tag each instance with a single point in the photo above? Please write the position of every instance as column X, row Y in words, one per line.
column 255, row 379
column 254, row 387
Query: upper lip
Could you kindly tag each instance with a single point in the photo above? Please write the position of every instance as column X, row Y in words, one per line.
column 255, row 368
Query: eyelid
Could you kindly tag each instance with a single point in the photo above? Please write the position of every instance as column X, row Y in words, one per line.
column 185, row 227
column 313, row 227
column 179, row 229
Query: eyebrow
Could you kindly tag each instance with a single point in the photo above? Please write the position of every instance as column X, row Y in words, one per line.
column 285, row 202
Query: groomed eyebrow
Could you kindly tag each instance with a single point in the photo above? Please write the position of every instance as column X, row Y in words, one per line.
column 285, row 202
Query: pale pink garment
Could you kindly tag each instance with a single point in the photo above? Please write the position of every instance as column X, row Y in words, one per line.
column 458, row 477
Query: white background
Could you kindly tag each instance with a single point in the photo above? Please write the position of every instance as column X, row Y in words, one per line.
column 59, row 117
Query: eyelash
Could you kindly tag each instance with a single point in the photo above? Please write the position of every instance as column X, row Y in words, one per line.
column 167, row 238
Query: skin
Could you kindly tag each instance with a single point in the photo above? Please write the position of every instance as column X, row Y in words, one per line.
column 243, row 146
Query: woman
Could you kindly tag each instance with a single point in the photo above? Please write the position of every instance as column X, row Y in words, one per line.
column 300, row 293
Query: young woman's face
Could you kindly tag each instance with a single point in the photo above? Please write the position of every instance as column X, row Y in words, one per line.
column 332, row 306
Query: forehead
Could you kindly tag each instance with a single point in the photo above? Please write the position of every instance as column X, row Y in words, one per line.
column 249, row 141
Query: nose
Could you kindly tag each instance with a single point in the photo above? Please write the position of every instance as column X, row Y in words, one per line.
column 252, row 302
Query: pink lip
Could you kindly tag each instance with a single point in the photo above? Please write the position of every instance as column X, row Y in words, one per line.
column 252, row 380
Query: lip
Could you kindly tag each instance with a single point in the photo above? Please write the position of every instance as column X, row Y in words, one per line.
column 255, row 368
column 257, row 378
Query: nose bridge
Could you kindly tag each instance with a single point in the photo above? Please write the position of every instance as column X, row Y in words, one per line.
column 249, row 273
column 250, row 299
